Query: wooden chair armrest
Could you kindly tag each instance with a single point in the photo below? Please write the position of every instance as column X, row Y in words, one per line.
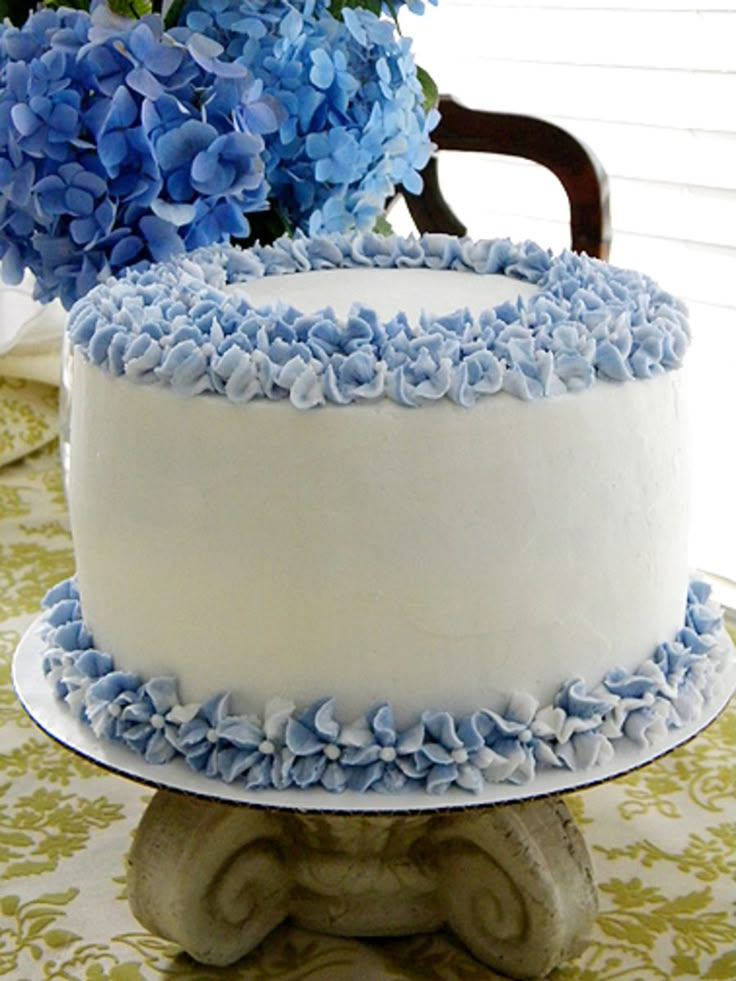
column 580, row 173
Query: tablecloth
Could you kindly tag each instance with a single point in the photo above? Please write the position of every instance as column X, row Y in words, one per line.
column 662, row 839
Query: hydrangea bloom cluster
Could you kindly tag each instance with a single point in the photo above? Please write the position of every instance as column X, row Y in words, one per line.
column 177, row 325
column 291, row 747
column 110, row 134
column 354, row 122
column 122, row 142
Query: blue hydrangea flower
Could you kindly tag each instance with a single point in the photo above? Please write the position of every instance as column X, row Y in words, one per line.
column 121, row 143
column 80, row 195
column 351, row 119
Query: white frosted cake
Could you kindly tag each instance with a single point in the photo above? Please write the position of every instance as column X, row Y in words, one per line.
column 368, row 513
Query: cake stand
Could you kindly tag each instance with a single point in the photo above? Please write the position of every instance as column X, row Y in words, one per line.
column 216, row 868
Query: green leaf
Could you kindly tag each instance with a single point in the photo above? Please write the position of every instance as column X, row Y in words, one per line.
column 9, row 905
column 33, row 914
column 130, row 971
column 633, row 933
column 58, row 898
column 134, row 9
column 723, row 968
column 16, row 839
column 429, row 89
column 39, row 925
column 684, row 965
column 60, row 938
column 383, row 226
column 337, row 6
column 173, row 13
column 693, row 902
column 632, row 894
column 20, row 869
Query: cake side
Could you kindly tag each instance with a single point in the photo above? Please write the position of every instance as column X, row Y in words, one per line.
column 433, row 559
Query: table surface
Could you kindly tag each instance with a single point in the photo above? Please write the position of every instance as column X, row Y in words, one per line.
column 662, row 839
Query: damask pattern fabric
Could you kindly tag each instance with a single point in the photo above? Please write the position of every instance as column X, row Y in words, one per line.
column 662, row 840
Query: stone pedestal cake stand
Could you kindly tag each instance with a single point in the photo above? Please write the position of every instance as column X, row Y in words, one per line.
column 514, row 883
column 216, row 868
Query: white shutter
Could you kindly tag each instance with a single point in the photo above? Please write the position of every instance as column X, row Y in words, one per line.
column 651, row 88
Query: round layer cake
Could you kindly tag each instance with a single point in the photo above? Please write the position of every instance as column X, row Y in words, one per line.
column 368, row 513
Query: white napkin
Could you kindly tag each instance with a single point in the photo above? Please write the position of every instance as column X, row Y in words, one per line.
column 30, row 334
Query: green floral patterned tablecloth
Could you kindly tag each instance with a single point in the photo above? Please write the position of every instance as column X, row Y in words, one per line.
column 663, row 840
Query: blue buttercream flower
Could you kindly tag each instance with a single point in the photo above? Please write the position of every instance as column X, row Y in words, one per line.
column 235, row 748
column 254, row 751
column 144, row 723
column 360, row 375
column 574, row 698
column 479, row 373
column 72, row 636
column 419, row 368
column 701, row 617
column 199, row 729
column 107, row 699
column 453, row 752
column 515, row 740
column 313, row 740
column 377, row 756
column 575, row 712
column 73, row 673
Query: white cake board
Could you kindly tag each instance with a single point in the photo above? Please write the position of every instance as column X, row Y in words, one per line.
column 53, row 717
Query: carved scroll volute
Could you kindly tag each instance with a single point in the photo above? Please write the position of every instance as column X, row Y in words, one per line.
column 517, row 885
column 201, row 875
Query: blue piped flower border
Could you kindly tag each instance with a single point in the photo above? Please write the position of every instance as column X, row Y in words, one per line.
column 289, row 747
column 177, row 325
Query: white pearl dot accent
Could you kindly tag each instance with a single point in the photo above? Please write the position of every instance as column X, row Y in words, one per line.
column 211, row 735
column 387, row 754
column 460, row 755
column 266, row 747
column 114, row 709
column 157, row 721
column 332, row 752
column 525, row 736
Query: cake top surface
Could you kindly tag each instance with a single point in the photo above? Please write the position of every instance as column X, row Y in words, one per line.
column 348, row 318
